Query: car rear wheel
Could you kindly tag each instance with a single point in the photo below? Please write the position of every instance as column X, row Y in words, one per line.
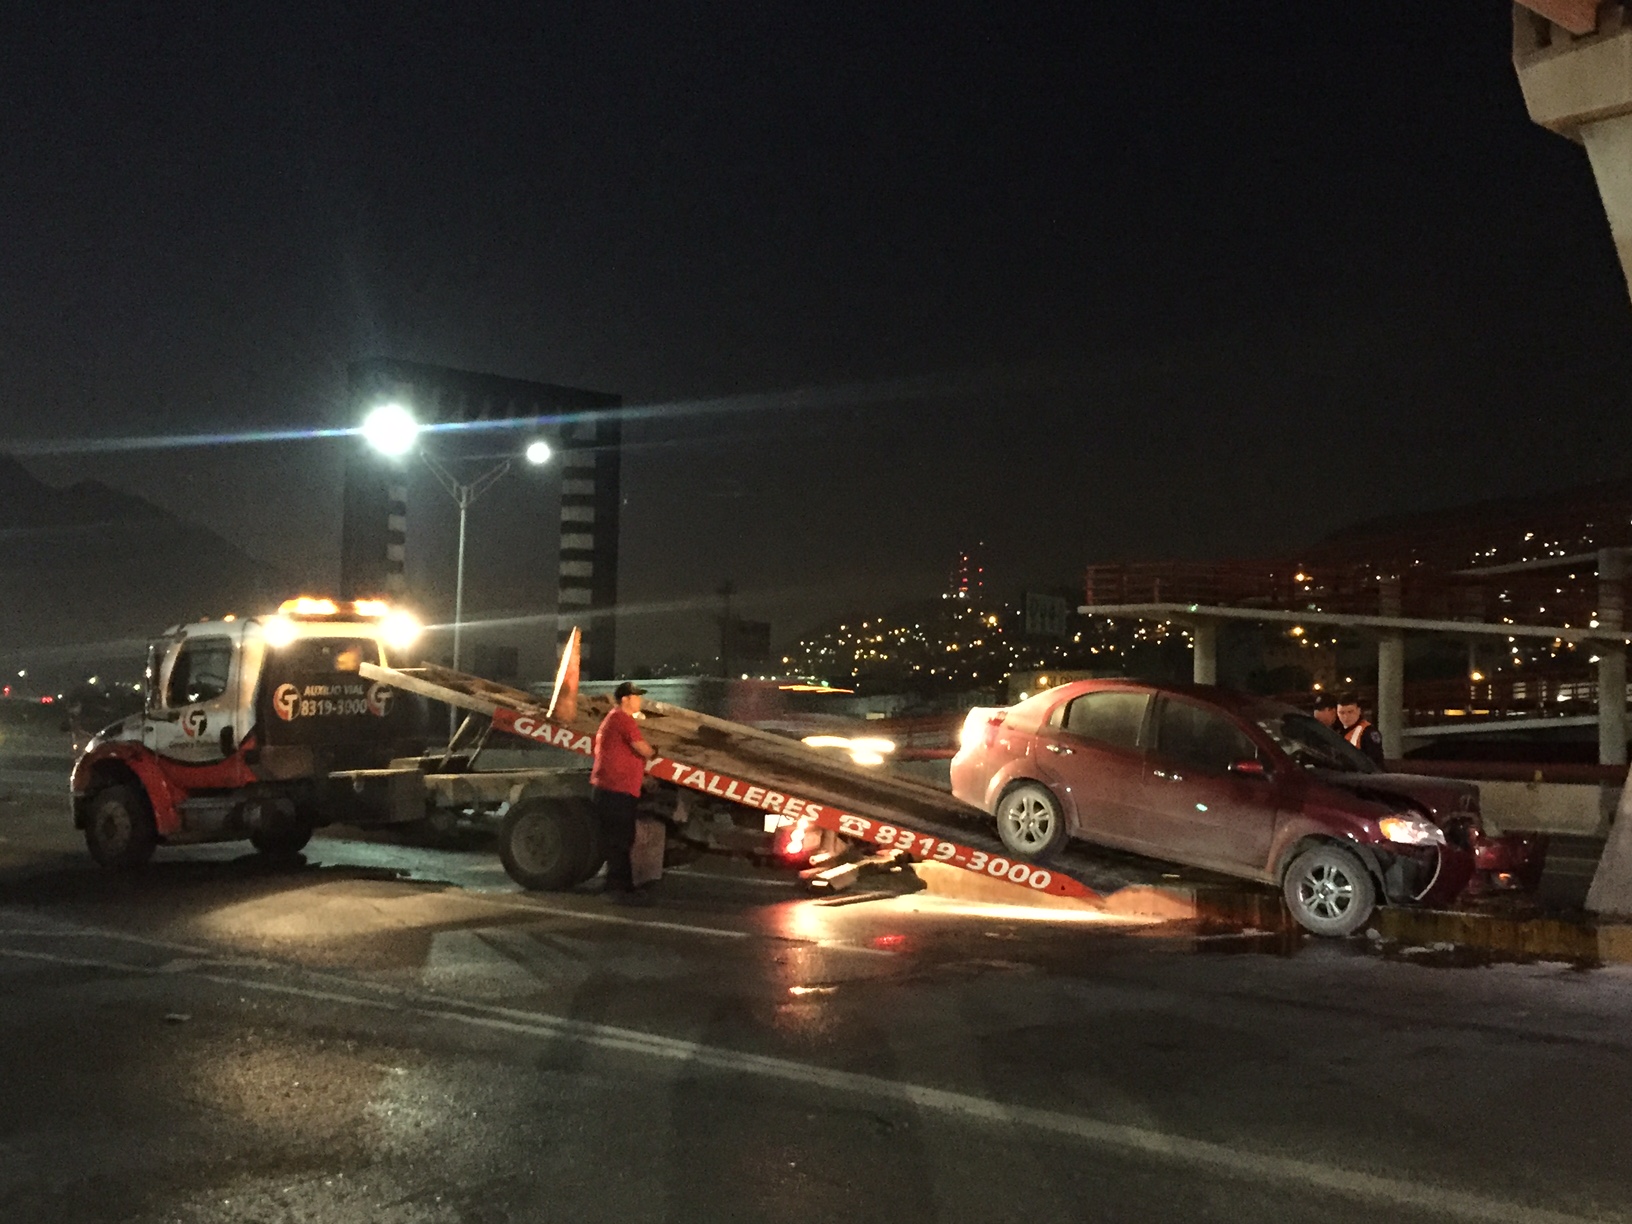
column 1030, row 822
column 1329, row 891
column 119, row 829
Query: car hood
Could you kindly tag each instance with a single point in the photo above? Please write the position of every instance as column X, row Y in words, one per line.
column 1440, row 798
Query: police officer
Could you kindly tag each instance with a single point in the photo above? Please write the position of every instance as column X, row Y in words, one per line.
column 621, row 753
column 1360, row 733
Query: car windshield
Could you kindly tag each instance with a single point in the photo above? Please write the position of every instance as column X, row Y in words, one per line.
column 1312, row 744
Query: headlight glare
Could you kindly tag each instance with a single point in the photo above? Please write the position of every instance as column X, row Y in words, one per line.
column 400, row 630
column 1411, row 831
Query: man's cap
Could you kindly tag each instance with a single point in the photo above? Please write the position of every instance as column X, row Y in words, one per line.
column 627, row 689
column 1325, row 701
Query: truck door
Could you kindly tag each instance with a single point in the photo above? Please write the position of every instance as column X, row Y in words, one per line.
column 196, row 697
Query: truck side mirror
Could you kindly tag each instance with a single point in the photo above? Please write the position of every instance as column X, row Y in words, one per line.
column 228, row 742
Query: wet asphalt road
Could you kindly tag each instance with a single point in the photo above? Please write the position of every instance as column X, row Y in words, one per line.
column 394, row 1035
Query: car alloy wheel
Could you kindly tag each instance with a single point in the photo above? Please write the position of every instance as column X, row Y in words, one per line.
column 1326, row 892
column 1329, row 891
column 1029, row 821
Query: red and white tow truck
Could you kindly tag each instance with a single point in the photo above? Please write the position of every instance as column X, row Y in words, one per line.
column 246, row 722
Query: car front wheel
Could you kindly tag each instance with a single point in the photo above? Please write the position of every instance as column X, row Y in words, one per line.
column 1329, row 891
column 1030, row 822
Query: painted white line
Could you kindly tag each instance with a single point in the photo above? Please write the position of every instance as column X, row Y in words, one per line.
column 691, row 874
column 1144, row 1142
column 538, row 907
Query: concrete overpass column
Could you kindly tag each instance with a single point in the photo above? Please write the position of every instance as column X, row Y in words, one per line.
column 1612, row 658
column 1391, row 672
column 1609, row 149
column 1391, row 694
column 1204, row 660
column 1575, row 67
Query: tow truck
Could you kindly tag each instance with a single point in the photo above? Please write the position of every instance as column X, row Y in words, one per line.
column 269, row 727
column 245, row 726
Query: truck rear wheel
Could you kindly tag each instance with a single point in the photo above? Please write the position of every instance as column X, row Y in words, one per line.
column 549, row 845
column 119, row 829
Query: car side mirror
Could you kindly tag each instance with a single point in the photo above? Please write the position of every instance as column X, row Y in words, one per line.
column 1249, row 768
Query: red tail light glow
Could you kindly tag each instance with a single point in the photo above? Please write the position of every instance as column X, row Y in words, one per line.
column 797, row 841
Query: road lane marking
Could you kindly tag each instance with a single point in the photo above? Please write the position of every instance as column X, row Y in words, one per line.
column 684, row 928
column 1162, row 1146
column 687, row 873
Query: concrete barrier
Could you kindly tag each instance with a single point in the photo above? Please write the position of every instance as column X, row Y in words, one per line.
column 1578, row 809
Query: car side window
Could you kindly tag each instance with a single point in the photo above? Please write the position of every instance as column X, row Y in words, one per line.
column 1201, row 739
column 1112, row 717
column 200, row 672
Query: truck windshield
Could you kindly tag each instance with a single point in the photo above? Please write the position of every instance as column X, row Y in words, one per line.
column 326, row 654
column 1313, row 745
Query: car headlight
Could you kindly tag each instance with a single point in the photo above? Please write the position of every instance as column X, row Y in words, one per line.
column 1411, row 831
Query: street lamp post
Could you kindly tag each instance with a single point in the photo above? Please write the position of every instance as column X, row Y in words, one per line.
column 464, row 494
column 392, row 431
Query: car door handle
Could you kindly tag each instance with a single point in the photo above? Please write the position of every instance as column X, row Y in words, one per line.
column 1063, row 751
column 1171, row 777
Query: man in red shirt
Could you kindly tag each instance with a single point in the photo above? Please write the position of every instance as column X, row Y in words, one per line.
column 621, row 753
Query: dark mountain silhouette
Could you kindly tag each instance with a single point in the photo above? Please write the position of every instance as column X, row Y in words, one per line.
column 88, row 573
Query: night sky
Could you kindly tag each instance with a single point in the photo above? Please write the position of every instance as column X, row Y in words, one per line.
column 1111, row 281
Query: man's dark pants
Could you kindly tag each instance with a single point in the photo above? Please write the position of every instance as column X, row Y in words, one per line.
column 616, row 813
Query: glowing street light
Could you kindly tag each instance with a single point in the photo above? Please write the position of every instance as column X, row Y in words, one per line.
column 391, row 430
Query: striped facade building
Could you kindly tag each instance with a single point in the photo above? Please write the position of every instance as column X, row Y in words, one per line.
column 584, row 431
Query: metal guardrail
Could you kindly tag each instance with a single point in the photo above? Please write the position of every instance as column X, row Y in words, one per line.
column 1569, row 595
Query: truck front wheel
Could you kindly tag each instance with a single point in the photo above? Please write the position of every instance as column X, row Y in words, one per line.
column 284, row 840
column 119, row 829
column 547, row 845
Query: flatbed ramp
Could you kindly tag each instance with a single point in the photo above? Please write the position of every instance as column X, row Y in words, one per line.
column 771, row 774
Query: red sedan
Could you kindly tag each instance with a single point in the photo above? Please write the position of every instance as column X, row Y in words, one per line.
column 1233, row 784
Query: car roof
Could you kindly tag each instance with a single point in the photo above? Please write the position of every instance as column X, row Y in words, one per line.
column 1229, row 699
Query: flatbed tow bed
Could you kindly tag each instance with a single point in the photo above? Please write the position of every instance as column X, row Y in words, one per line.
column 706, row 767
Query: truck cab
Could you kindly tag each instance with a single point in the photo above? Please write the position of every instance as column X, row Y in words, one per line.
column 244, row 722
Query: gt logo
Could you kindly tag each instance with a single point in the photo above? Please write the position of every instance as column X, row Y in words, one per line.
column 379, row 700
column 194, row 722
column 284, row 699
